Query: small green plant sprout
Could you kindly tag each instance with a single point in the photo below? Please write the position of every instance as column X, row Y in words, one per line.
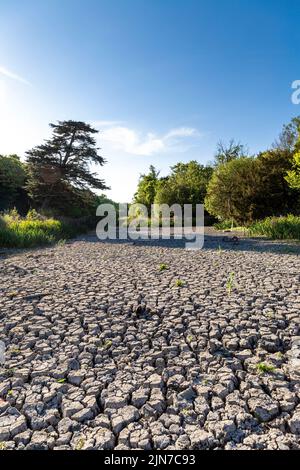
column 10, row 393
column 190, row 338
column 220, row 249
column 61, row 381
column 279, row 355
column 179, row 283
column 61, row 242
column 264, row 368
column 15, row 351
column 107, row 344
column 270, row 314
column 3, row 446
column 13, row 293
column 230, row 283
column 186, row 411
column 79, row 444
column 163, row 267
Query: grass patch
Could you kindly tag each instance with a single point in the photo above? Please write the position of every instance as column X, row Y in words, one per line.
column 228, row 225
column 163, row 267
column 230, row 283
column 264, row 368
column 179, row 283
column 224, row 225
column 33, row 230
column 278, row 228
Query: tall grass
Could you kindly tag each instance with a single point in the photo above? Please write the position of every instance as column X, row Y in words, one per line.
column 279, row 228
column 31, row 231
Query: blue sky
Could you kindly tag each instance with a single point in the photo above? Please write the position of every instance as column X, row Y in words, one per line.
column 163, row 80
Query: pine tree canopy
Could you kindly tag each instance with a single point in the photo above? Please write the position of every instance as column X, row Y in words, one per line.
column 67, row 155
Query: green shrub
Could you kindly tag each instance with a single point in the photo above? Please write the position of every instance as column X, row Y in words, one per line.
column 279, row 228
column 224, row 225
column 31, row 231
column 32, row 214
column 264, row 368
column 163, row 267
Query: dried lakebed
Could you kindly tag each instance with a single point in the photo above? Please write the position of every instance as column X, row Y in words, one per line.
column 106, row 351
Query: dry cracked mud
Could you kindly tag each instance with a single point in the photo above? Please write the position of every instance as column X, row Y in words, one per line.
column 105, row 350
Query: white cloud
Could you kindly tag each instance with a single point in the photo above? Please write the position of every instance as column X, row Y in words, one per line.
column 183, row 132
column 130, row 141
column 9, row 74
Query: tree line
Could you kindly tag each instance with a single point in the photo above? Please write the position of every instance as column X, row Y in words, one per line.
column 235, row 186
column 56, row 178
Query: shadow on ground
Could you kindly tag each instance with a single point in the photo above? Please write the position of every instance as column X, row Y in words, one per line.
column 212, row 241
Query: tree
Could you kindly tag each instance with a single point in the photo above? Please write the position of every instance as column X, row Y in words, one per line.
column 226, row 153
column 146, row 189
column 289, row 137
column 293, row 176
column 186, row 184
column 12, row 180
column 232, row 189
column 250, row 188
column 274, row 196
column 62, row 163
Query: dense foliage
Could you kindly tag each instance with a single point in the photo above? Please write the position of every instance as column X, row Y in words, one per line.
column 186, row 184
column 293, row 175
column 147, row 188
column 248, row 188
column 259, row 191
column 238, row 187
column 59, row 170
column 29, row 232
column 12, row 179
column 280, row 228
column 245, row 189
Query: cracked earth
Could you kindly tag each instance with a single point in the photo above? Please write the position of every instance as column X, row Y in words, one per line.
column 105, row 350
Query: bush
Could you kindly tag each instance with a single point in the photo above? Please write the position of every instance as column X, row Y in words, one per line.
column 31, row 231
column 12, row 179
column 224, row 225
column 232, row 190
column 249, row 189
column 32, row 214
column 279, row 228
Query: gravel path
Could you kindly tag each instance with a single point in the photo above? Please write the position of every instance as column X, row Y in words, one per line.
column 105, row 351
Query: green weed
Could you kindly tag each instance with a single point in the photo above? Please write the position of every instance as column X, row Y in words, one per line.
column 163, row 267
column 264, row 368
column 278, row 228
column 80, row 444
column 230, row 283
column 107, row 345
